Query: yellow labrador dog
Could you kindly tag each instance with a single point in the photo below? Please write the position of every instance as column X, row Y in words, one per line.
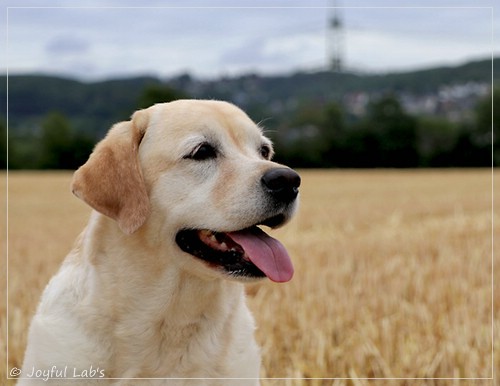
column 153, row 286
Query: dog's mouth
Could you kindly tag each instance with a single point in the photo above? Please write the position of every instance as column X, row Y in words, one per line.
column 246, row 253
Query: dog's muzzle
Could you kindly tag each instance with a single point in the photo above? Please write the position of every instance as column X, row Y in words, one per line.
column 248, row 252
column 282, row 184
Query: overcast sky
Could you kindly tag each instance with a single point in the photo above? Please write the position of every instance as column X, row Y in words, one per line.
column 92, row 39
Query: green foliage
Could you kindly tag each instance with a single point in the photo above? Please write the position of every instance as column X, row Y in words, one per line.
column 157, row 93
column 55, row 142
column 436, row 141
column 387, row 136
column 392, row 133
column 487, row 123
column 3, row 144
column 58, row 146
column 62, row 147
column 91, row 107
column 313, row 137
column 334, row 135
column 303, row 114
column 478, row 142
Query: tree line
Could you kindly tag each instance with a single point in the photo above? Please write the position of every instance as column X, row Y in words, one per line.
column 389, row 137
column 315, row 136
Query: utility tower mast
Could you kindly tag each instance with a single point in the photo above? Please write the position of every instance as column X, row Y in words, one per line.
column 335, row 39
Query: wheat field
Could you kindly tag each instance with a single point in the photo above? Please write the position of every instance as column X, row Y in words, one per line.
column 393, row 276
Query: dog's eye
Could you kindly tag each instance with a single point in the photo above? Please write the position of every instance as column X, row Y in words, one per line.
column 203, row 152
column 265, row 151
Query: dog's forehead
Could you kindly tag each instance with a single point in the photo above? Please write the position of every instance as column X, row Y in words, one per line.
column 221, row 121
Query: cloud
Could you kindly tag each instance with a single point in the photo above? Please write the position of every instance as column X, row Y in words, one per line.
column 416, row 38
column 67, row 45
column 250, row 52
column 278, row 53
column 92, row 38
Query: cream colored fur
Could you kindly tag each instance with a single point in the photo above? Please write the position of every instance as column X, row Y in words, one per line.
column 127, row 302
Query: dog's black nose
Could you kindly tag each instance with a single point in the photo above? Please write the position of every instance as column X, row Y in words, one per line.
column 282, row 183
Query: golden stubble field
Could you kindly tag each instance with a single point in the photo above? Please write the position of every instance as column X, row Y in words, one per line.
column 393, row 276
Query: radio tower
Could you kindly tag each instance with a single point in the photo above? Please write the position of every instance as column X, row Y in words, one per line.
column 335, row 39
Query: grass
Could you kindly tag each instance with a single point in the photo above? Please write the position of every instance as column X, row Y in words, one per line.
column 393, row 276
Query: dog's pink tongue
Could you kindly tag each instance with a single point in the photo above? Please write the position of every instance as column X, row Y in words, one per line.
column 267, row 253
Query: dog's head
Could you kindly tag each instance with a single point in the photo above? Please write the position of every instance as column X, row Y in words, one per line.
column 199, row 174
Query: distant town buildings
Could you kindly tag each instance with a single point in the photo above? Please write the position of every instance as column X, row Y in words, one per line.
column 453, row 102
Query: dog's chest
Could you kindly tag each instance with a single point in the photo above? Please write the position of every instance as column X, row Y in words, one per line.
column 195, row 350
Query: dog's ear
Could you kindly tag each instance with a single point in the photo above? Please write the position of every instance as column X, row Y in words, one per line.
column 111, row 181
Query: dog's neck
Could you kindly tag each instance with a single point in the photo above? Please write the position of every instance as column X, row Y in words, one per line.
column 153, row 274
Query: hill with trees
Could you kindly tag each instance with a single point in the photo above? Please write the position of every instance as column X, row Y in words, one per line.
column 431, row 117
